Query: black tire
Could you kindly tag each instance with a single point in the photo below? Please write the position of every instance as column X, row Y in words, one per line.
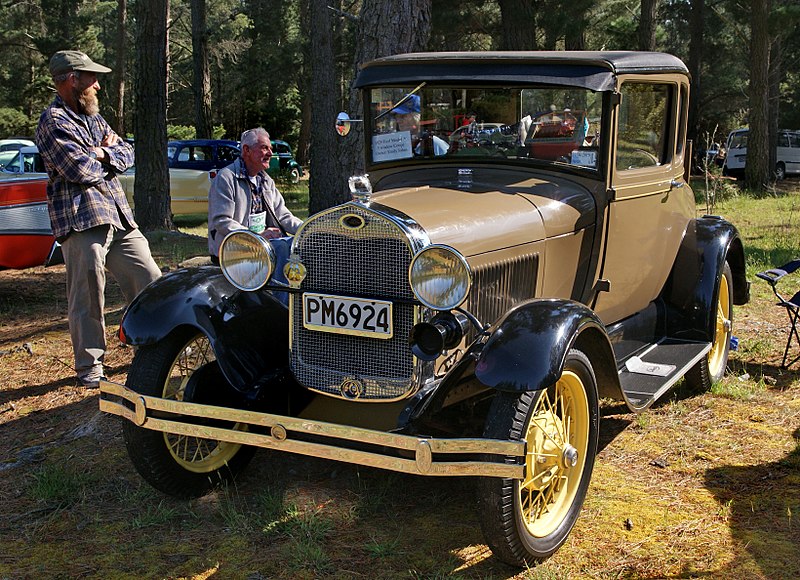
column 294, row 175
column 780, row 172
column 538, row 417
column 711, row 367
column 180, row 466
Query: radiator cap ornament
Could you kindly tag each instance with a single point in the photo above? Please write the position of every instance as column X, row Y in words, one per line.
column 360, row 188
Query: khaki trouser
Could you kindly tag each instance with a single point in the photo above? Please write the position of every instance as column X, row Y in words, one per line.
column 87, row 255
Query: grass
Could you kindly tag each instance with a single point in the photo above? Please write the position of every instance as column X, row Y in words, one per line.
column 701, row 485
column 57, row 486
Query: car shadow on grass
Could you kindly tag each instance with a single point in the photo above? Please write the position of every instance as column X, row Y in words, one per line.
column 399, row 525
column 773, row 376
column 762, row 507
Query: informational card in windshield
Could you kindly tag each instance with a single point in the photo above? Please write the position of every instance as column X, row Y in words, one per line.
column 391, row 146
column 584, row 158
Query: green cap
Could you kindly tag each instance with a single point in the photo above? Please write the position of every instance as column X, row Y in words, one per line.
column 65, row 61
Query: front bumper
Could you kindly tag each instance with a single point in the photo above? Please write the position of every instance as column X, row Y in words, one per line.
column 391, row 451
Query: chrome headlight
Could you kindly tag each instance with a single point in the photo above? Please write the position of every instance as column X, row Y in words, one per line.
column 247, row 260
column 440, row 277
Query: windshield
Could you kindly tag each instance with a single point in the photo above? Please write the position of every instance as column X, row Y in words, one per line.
column 738, row 140
column 438, row 123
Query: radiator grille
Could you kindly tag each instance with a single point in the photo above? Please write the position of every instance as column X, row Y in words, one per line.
column 498, row 287
column 372, row 261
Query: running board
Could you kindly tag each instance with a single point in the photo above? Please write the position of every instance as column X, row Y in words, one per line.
column 650, row 374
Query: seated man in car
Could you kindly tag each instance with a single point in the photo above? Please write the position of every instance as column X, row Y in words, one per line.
column 407, row 118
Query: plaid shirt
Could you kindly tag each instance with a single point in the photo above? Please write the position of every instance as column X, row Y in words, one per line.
column 82, row 192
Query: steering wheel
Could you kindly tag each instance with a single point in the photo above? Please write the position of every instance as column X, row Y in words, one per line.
column 637, row 158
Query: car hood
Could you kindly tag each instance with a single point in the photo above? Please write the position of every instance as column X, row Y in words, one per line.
column 497, row 209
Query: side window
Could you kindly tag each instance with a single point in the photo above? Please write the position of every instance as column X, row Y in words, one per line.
column 683, row 120
column 644, row 126
column 783, row 140
column 795, row 140
column 201, row 154
column 227, row 154
column 284, row 149
column 171, row 151
column 183, row 154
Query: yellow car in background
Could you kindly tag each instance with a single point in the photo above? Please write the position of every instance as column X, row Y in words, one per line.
column 188, row 189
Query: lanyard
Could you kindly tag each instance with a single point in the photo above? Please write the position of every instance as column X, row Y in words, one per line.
column 260, row 203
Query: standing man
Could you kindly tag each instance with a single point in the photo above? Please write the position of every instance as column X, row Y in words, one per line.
column 244, row 197
column 89, row 214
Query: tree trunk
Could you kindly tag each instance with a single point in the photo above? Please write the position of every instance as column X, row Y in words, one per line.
column 518, row 24
column 324, row 186
column 120, row 67
column 202, row 75
column 757, row 170
column 773, row 108
column 386, row 27
column 696, row 25
column 305, row 83
column 647, row 25
column 151, row 188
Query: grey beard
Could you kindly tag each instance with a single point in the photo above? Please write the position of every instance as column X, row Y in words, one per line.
column 87, row 103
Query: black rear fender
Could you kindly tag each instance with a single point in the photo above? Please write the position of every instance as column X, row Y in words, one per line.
column 691, row 290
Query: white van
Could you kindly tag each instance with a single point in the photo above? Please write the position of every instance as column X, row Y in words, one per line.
column 788, row 153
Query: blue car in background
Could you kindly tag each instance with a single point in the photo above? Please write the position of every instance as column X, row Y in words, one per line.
column 211, row 154
column 202, row 154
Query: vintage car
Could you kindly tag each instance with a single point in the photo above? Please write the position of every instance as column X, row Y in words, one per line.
column 26, row 238
column 202, row 154
column 24, row 160
column 464, row 314
column 9, row 148
column 188, row 189
column 214, row 154
column 283, row 165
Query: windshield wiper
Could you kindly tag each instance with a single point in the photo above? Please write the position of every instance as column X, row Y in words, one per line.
column 400, row 102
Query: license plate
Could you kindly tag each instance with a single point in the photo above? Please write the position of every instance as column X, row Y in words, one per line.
column 344, row 315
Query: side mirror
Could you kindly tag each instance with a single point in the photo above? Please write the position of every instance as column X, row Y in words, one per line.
column 343, row 122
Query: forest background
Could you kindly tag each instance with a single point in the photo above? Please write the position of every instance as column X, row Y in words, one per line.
column 185, row 68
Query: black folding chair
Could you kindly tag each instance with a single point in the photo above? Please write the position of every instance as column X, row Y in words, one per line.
column 792, row 305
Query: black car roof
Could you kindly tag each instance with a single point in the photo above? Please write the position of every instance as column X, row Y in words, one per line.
column 594, row 70
column 203, row 142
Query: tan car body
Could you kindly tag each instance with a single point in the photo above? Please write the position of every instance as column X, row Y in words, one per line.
column 467, row 310
column 188, row 189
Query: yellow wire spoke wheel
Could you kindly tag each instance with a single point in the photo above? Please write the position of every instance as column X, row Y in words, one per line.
column 526, row 520
column 558, row 441
column 718, row 356
column 194, row 454
column 183, row 466
column 711, row 368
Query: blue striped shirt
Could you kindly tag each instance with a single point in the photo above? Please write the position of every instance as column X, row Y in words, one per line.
column 82, row 192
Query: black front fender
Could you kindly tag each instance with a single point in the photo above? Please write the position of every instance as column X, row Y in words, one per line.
column 249, row 331
column 529, row 345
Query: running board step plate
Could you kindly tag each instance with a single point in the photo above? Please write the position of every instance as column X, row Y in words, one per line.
column 650, row 374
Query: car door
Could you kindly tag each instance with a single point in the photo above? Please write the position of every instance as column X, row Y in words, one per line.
column 650, row 202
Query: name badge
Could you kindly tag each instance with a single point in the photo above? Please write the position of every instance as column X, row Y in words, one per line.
column 258, row 222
